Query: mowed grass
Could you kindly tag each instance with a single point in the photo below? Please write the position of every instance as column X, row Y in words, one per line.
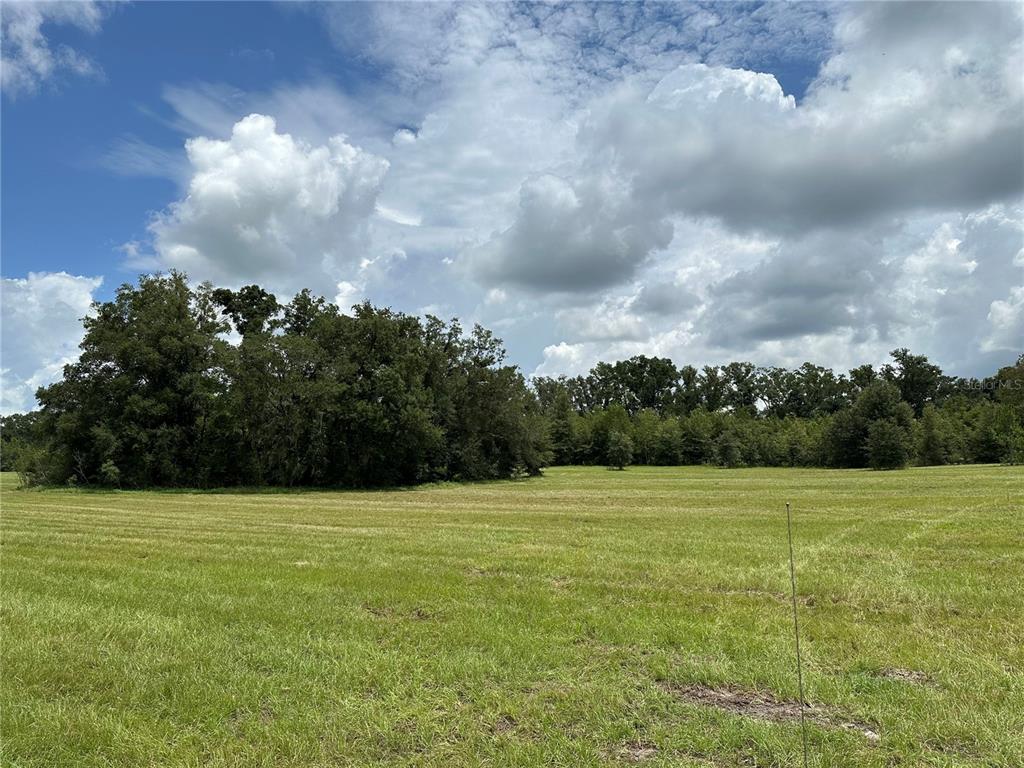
column 553, row 621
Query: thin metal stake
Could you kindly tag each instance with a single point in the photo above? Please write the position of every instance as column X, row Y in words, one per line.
column 796, row 631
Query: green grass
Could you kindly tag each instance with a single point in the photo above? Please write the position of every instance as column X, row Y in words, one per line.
column 541, row 622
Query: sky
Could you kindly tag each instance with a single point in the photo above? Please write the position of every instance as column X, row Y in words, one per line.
column 774, row 182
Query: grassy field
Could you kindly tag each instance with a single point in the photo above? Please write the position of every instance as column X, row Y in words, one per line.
column 588, row 617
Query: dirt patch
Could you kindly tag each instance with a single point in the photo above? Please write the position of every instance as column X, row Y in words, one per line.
column 764, row 706
column 387, row 612
column 504, row 724
column 749, row 703
column 637, row 751
column 905, row 675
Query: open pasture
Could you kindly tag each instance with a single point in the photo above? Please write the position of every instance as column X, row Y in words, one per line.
column 586, row 618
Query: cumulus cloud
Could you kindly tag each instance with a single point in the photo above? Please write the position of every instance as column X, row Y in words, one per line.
column 570, row 237
column 664, row 298
column 314, row 110
column 965, row 308
column 632, row 178
column 564, row 359
column 819, row 284
column 1006, row 317
column 42, row 328
column 28, row 58
column 932, row 124
column 729, row 144
column 914, row 118
column 265, row 207
column 612, row 320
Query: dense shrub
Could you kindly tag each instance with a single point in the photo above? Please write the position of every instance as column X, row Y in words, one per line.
column 620, row 450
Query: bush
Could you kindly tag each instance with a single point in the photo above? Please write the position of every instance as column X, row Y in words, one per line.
column 934, row 443
column 620, row 450
column 109, row 473
column 888, row 445
column 728, row 450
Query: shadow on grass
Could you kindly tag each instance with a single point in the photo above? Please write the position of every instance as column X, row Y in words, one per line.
column 264, row 490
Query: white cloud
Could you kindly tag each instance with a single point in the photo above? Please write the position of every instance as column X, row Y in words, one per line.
column 348, row 294
column 901, row 127
column 564, row 358
column 1007, row 319
column 496, row 296
column 624, row 179
column 42, row 328
column 28, row 59
column 728, row 144
column 611, row 320
column 948, row 286
column 266, row 207
column 571, row 237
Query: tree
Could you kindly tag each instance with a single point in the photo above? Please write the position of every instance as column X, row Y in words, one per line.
column 144, row 389
column 17, row 432
column 650, row 382
column 778, row 391
column 1010, row 393
column 862, row 377
column 606, row 421
column 888, row 444
column 848, row 431
column 695, row 438
column 728, row 449
column 1009, row 383
column 109, row 473
column 669, row 443
column 645, row 429
column 934, row 442
column 688, row 395
column 608, row 387
column 917, row 379
column 712, row 388
column 820, row 391
column 158, row 397
column 562, row 417
column 311, row 396
column 620, row 450
column 740, row 387
column 251, row 309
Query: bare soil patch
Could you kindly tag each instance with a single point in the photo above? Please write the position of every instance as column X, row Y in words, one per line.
column 504, row 724
column 388, row 612
column 637, row 751
column 906, row 675
column 764, row 706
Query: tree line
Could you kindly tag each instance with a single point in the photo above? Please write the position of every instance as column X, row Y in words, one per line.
column 307, row 396
column 304, row 395
column 646, row 410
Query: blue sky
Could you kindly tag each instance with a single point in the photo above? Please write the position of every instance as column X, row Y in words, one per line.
column 141, row 48
column 707, row 182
